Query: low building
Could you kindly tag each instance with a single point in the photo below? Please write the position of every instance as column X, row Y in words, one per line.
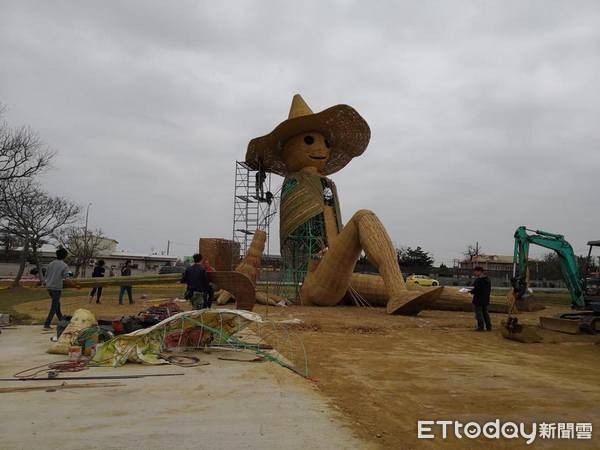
column 143, row 262
column 139, row 261
column 490, row 263
column 109, row 252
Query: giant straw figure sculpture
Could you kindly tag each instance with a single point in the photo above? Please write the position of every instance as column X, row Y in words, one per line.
column 304, row 149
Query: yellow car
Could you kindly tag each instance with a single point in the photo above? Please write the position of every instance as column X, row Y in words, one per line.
column 421, row 280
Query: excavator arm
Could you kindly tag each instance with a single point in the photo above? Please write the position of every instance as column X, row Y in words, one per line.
column 567, row 259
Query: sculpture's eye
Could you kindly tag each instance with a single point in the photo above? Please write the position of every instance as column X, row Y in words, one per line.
column 309, row 140
column 327, row 144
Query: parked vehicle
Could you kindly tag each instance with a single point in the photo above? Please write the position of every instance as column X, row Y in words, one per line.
column 421, row 280
column 170, row 269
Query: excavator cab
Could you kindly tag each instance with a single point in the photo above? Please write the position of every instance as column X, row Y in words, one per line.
column 591, row 277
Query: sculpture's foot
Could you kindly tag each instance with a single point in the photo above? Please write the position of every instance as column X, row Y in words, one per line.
column 410, row 303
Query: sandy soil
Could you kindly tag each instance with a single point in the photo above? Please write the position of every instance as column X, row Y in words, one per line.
column 386, row 372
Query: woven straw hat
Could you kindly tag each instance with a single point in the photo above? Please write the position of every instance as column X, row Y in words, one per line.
column 347, row 131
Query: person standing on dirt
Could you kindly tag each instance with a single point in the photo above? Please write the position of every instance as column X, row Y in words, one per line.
column 56, row 272
column 97, row 273
column 126, row 272
column 198, row 288
column 482, row 287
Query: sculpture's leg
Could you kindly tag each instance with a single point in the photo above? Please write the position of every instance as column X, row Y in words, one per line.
column 327, row 283
column 380, row 251
column 372, row 288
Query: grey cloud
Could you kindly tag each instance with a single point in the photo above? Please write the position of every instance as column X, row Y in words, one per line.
column 483, row 114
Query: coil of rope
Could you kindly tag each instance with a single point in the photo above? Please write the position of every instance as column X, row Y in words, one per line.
column 54, row 368
column 183, row 360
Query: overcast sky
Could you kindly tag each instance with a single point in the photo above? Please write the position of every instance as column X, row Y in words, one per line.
column 484, row 115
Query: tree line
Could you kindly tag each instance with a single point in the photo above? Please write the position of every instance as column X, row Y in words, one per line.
column 547, row 268
column 29, row 215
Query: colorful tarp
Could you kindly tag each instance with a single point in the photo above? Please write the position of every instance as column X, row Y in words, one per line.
column 144, row 346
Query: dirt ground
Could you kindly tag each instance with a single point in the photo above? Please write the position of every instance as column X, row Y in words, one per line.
column 386, row 372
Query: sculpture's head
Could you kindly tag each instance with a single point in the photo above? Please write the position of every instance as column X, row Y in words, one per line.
column 306, row 151
column 323, row 142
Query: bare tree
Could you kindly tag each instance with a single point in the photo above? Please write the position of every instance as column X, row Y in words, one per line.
column 22, row 153
column 34, row 216
column 83, row 246
column 473, row 251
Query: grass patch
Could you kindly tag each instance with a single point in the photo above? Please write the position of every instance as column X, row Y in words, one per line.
column 11, row 297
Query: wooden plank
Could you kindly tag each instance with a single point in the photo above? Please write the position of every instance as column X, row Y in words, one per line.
column 56, row 387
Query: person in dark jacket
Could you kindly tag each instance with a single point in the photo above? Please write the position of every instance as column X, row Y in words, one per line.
column 482, row 287
column 126, row 272
column 198, row 288
column 97, row 273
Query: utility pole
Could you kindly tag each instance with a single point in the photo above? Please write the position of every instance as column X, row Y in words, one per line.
column 85, row 240
column 168, row 247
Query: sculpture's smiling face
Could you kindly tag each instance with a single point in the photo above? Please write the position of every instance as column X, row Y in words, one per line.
column 309, row 150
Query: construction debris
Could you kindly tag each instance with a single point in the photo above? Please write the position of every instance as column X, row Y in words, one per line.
column 199, row 329
column 82, row 319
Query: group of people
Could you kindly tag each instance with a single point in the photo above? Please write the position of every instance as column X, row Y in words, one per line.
column 57, row 277
column 200, row 291
column 100, row 270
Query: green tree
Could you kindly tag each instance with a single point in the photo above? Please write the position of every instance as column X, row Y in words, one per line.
column 549, row 266
column 409, row 257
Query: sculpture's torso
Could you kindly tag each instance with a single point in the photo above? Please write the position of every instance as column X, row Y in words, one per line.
column 310, row 215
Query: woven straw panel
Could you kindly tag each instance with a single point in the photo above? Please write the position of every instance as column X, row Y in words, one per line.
column 300, row 204
column 371, row 287
column 223, row 254
column 345, row 127
column 251, row 262
column 238, row 284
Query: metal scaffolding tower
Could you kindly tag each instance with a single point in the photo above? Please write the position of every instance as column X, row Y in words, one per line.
column 251, row 210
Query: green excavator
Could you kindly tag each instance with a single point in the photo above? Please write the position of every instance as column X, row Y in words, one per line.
column 584, row 288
